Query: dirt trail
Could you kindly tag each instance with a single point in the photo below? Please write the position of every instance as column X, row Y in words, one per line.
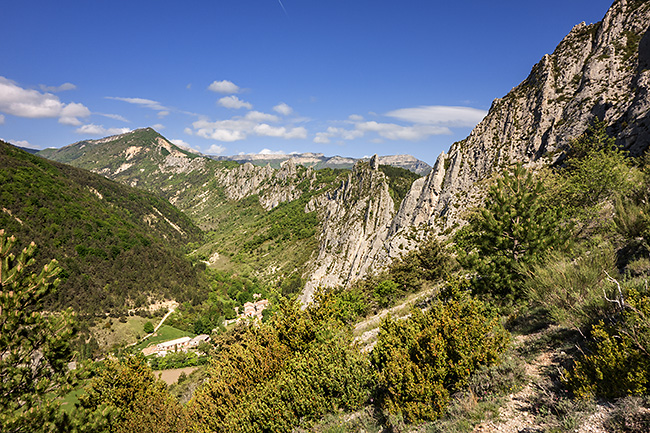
column 171, row 310
column 517, row 414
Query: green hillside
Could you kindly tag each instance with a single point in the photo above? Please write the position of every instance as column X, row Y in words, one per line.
column 119, row 247
column 273, row 245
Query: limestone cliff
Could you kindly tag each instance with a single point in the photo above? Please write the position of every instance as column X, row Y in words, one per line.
column 356, row 219
column 599, row 70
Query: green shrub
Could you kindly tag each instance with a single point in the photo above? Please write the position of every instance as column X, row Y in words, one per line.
column 385, row 292
column 618, row 361
column 148, row 327
column 430, row 262
column 275, row 376
column 125, row 396
column 423, row 359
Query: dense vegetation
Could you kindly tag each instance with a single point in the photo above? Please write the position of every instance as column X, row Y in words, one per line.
column 118, row 247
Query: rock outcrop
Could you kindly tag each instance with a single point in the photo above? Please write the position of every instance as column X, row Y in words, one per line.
column 599, row 70
column 356, row 219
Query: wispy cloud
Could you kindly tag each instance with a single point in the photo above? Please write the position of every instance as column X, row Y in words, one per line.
column 114, row 117
column 389, row 131
column 33, row 104
column 55, row 89
column 238, row 128
column 148, row 103
column 423, row 122
column 440, row 115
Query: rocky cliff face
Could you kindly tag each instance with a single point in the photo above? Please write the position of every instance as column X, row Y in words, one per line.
column 273, row 186
column 356, row 220
column 598, row 71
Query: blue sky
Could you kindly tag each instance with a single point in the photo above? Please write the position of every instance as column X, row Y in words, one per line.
column 341, row 77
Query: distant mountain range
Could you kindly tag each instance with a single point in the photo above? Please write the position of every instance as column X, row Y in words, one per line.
column 319, row 160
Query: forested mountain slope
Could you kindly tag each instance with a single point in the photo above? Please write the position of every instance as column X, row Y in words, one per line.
column 119, row 247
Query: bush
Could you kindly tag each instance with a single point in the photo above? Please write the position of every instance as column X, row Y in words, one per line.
column 148, row 327
column 275, row 376
column 126, row 397
column 385, row 292
column 515, row 229
column 430, row 262
column 423, row 359
column 618, row 360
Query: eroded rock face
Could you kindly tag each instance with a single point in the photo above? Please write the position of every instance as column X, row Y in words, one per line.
column 356, row 220
column 597, row 71
column 273, row 186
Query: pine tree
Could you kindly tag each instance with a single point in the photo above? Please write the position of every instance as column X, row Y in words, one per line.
column 513, row 229
column 34, row 346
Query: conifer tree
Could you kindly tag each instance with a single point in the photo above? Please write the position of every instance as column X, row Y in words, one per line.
column 34, row 346
column 513, row 229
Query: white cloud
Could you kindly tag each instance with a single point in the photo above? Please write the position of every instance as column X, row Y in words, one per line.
column 2, row 119
column 188, row 131
column 271, row 152
column 216, row 149
column 70, row 114
column 33, row 104
column 283, row 109
column 21, row 143
column 179, row 142
column 239, row 128
column 440, row 115
column 163, row 113
column 266, row 130
column 224, row 86
column 342, row 133
column 389, row 131
column 92, row 129
column 258, row 116
column 355, row 117
column 154, row 105
column 392, row 131
column 158, row 126
column 234, row 102
column 54, row 89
